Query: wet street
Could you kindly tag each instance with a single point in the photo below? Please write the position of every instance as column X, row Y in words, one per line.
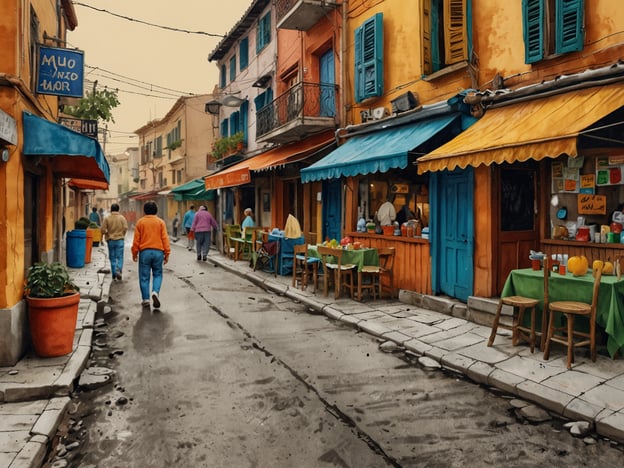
column 227, row 374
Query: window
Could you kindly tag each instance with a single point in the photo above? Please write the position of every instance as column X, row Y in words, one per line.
column 224, row 128
column 369, row 58
column 446, row 35
column 263, row 32
column 551, row 27
column 263, row 99
column 158, row 147
column 222, row 77
column 234, row 123
column 233, row 68
column 243, row 54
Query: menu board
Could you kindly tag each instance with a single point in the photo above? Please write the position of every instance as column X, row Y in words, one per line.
column 565, row 178
column 592, row 204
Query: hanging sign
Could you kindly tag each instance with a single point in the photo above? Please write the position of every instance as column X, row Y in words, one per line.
column 60, row 72
column 86, row 127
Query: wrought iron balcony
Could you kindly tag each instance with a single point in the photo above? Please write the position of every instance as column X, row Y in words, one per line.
column 305, row 109
column 301, row 14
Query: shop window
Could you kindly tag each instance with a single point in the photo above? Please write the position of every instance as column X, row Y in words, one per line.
column 517, row 200
column 445, row 33
column 410, row 197
column 551, row 27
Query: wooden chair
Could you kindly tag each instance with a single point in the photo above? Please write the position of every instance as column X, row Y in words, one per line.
column 520, row 305
column 566, row 334
column 304, row 266
column 374, row 274
column 230, row 232
column 265, row 254
column 342, row 273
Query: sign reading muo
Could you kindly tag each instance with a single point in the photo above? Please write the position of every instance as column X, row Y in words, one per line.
column 60, row 72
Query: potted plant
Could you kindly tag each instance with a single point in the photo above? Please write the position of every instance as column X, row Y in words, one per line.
column 97, row 233
column 228, row 145
column 53, row 300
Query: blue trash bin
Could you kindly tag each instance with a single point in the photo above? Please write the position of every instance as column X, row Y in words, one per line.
column 76, row 248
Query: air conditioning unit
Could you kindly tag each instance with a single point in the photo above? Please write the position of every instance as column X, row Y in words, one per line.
column 365, row 115
column 404, row 102
column 380, row 113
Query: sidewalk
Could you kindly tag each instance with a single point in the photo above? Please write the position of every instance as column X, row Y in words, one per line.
column 35, row 393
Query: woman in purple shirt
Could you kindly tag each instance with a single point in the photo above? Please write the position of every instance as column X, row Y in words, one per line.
column 203, row 224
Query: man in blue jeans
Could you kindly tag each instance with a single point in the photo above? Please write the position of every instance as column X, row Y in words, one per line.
column 114, row 229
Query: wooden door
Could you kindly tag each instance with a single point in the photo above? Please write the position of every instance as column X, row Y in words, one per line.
column 452, row 233
column 516, row 218
column 332, row 212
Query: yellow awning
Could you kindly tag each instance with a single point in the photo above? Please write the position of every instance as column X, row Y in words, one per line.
column 537, row 129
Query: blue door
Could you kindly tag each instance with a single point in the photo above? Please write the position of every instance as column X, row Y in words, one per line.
column 328, row 81
column 452, row 233
column 332, row 203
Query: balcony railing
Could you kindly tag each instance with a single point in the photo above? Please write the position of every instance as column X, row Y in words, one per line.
column 301, row 14
column 304, row 107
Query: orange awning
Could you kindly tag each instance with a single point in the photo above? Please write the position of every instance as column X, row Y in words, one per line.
column 537, row 129
column 86, row 184
column 240, row 173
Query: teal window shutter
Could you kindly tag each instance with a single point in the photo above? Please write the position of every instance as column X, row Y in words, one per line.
column 533, row 30
column 569, row 27
column 263, row 32
column 224, row 128
column 233, row 68
column 259, row 101
column 243, row 54
column 234, row 123
column 244, row 116
column 369, row 58
column 222, row 77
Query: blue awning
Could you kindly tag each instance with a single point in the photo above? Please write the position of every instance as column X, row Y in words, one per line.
column 75, row 155
column 193, row 190
column 377, row 151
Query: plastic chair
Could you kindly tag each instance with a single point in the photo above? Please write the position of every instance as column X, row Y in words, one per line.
column 566, row 334
column 304, row 266
column 342, row 274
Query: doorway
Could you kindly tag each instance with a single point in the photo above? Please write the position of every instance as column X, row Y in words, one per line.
column 31, row 215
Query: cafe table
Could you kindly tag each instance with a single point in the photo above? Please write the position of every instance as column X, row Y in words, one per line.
column 609, row 314
column 359, row 257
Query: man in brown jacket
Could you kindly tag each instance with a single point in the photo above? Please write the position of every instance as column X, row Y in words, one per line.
column 114, row 229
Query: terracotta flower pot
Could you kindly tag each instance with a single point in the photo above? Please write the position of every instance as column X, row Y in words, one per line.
column 53, row 324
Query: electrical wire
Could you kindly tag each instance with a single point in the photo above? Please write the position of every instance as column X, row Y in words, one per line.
column 168, row 28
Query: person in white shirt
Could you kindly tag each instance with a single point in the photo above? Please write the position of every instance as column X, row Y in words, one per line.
column 386, row 213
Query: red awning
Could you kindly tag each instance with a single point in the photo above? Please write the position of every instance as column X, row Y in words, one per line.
column 240, row 173
column 87, row 184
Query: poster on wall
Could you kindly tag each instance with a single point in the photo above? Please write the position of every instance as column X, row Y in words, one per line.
column 592, row 204
column 565, row 178
column 609, row 171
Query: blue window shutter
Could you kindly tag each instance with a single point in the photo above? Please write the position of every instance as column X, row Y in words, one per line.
column 222, row 77
column 269, row 96
column 369, row 58
column 224, row 128
column 263, row 32
column 533, row 30
column 569, row 27
column 233, row 68
column 243, row 54
column 234, row 123
column 244, row 115
column 267, row 28
column 260, row 101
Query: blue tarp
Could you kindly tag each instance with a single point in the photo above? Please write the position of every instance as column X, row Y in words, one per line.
column 193, row 190
column 75, row 155
column 378, row 151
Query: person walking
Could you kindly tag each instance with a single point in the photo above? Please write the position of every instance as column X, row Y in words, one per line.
column 203, row 224
column 187, row 222
column 114, row 228
column 151, row 249
column 174, row 225
column 94, row 217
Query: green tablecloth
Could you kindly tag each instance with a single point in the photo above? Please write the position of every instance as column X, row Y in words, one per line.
column 610, row 313
column 358, row 257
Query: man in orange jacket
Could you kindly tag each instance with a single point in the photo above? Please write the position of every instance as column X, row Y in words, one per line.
column 151, row 248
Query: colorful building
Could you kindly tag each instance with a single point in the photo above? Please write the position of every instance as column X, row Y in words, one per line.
column 39, row 156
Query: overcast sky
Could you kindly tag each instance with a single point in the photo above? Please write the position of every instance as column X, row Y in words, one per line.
column 146, row 63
